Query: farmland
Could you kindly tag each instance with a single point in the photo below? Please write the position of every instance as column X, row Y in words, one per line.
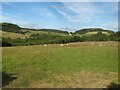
column 59, row 44
column 80, row 64
column 50, row 58
column 22, row 36
column 93, row 33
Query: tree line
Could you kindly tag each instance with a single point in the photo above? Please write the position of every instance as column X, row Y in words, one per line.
column 38, row 39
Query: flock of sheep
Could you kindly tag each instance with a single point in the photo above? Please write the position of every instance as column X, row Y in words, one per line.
column 68, row 44
column 60, row 45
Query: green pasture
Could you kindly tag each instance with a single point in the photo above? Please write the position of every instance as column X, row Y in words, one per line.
column 92, row 33
column 17, row 35
column 84, row 65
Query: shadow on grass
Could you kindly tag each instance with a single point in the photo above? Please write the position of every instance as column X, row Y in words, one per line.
column 7, row 78
column 113, row 86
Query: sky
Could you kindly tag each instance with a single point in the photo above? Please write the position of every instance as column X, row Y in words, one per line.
column 69, row 16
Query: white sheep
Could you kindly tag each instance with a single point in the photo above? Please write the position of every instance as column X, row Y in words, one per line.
column 45, row 45
column 67, row 44
column 61, row 45
column 100, row 45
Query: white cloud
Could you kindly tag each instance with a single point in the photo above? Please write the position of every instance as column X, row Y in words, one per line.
column 82, row 12
column 81, row 7
column 77, row 18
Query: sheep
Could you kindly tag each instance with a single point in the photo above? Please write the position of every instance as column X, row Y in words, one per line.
column 70, row 34
column 61, row 45
column 100, row 45
column 45, row 45
column 67, row 44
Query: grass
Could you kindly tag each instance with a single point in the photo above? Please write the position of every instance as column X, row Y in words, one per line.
column 92, row 33
column 77, row 65
column 16, row 35
column 12, row 35
column 106, row 33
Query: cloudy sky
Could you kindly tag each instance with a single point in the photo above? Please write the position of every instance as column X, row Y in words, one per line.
column 61, row 15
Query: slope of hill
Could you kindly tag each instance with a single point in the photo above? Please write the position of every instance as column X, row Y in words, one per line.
column 92, row 31
column 15, row 35
column 28, row 33
column 47, row 30
column 12, row 35
column 9, row 27
column 14, row 31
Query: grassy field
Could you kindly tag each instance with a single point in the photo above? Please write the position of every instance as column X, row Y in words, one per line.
column 12, row 35
column 17, row 35
column 77, row 65
column 92, row 33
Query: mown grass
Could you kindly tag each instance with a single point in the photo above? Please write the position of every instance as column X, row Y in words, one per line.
column 77, row 65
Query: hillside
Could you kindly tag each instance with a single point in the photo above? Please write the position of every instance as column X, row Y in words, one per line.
column 14, row 35
column 92, row 31
column 9, row 27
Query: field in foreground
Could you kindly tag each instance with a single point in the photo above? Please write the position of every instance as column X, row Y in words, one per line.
column 83, row 65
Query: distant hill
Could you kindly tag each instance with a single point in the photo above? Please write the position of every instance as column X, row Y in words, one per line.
column 10, row 30
column 91, row 31
column 9, row 27
column 47, row 30
column 13, row 35
column 54, row 30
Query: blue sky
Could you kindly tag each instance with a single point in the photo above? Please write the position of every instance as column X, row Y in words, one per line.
column 68, row 16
